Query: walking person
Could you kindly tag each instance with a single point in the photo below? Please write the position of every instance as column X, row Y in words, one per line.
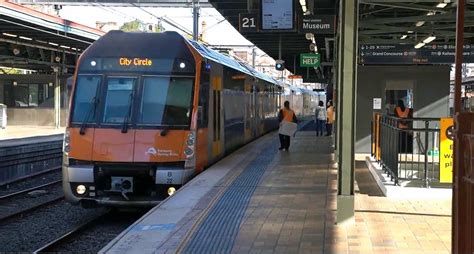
column 285, row 117
column 320, row 118
column 330, row 118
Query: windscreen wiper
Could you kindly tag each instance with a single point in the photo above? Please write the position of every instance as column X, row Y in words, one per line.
column 127, row 117
column 94, row 103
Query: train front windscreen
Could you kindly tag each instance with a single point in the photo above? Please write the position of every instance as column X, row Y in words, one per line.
column 142, row 93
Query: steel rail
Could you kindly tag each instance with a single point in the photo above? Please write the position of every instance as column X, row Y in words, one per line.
column 30, row 209
column 14, row 194
column 49, row 247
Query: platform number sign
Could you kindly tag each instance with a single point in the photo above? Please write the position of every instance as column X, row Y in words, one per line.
column 248, row 22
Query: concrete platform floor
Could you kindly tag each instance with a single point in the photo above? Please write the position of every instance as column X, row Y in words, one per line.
column 17, row 132
column 293, row 210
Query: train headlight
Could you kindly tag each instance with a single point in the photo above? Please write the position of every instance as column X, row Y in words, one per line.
column 190, row 141
column 80, row 189
column 188, row 152
column 171, row 190
column 66, row 142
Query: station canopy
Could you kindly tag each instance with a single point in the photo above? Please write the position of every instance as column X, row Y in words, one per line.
column 381, row 22
column 33, row 40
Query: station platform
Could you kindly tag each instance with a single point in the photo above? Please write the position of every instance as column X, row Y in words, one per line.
column 20, row 135
column 261, row 200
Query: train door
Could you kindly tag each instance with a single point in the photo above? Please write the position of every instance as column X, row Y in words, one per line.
column 217, row 118
column 203, row 145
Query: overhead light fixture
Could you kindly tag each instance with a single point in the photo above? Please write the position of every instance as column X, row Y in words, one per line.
column 410, row 31
column 304, row 8
column 419, row 45
column 420, row 23
column 54, row 44
column 441, row 5
column 431, row 13
column 404, row 37
column 429, row 39
column 303, row 2
column 26, row 38
column 9, row 35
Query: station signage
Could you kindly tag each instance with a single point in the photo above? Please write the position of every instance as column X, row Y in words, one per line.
column 310, row 60
column 248, row 22
column 318, row 24
column 407, row 54
column 277, row 15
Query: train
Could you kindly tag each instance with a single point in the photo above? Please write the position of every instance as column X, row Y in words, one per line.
column 148, row 111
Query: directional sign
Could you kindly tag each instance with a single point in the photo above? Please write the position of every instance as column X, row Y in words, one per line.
column 310, row 60
column 407, row 54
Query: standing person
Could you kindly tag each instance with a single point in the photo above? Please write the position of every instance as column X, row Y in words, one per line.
column 286, row 115
column 405, row 137
column 320, row 118
column 330, row 118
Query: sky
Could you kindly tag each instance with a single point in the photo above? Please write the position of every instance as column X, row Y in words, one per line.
column 217, row 33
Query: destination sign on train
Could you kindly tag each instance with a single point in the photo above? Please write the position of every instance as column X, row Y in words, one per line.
column 125, row 61
column 141, row 64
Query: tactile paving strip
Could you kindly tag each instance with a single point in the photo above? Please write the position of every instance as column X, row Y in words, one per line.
column 219, row 229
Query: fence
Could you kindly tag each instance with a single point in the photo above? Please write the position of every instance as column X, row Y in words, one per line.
column 407, row 148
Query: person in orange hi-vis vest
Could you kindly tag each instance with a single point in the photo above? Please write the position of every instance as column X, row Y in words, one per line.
column 405, row 145
column 330, row 118
column 288, row 115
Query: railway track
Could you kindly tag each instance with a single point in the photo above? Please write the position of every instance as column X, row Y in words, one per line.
column 24, row 201
column 93, row 234
column 18, row 193
column 75, row 232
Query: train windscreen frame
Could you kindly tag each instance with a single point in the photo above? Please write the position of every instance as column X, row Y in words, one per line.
column 174, row 109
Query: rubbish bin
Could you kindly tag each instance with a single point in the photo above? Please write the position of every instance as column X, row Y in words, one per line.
column 3, row 116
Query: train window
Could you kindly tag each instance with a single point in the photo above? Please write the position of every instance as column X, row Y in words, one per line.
column 118, row 99
column 84, row 98
column 166, row 101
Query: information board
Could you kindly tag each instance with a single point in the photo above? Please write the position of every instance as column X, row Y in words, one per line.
column 407, row 54
column 277, row 15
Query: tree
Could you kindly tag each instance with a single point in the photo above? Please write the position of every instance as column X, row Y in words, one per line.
column 132, row 26
column 139, row 26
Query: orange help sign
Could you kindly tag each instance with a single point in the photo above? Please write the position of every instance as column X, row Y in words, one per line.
column 446, row 137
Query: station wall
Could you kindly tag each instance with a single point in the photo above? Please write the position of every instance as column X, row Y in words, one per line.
column 430, row 86
column 30, row 99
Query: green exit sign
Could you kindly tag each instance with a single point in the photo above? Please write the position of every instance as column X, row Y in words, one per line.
column 310, row 60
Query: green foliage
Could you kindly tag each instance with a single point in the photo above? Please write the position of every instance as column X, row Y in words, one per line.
column 132, row 26
column 138, row 26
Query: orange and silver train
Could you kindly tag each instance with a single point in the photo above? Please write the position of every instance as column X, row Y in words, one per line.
column 150, row 110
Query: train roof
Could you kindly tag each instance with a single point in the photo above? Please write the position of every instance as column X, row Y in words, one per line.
column 162, row 45
column 132, row 44
column 229, row 62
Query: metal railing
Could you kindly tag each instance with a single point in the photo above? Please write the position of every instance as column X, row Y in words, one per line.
column 407, row 148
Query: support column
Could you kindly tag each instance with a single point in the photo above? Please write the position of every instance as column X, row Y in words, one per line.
column 195, row 20
column 57, row 98
column 348, row 78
